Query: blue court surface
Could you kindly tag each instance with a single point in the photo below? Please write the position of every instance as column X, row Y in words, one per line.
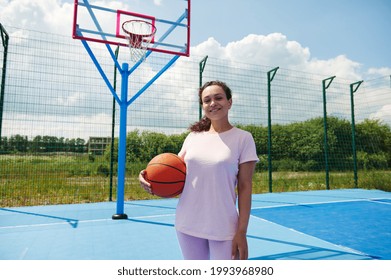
column 349, row 224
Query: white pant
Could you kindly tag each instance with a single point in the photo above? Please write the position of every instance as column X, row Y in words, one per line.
column 194, row 248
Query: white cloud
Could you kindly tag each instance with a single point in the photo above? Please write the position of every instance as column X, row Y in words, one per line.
column 376, row 72
column 209, row 47
column 52, row 16
column 339, row 66
column 273, row 50
column 80, row 126
column 276, row 50
column 158, row 2
column 384, row 114
column 35, row 14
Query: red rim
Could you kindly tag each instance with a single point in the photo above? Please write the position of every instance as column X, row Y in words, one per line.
column 153, row 28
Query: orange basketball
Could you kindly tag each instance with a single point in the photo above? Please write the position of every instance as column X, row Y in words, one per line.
column 166, row 173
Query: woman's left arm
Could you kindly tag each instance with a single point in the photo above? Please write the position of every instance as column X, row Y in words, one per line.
column 245, row 179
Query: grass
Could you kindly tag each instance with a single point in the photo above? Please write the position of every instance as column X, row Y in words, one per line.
column 307, row 181
column 64, row 179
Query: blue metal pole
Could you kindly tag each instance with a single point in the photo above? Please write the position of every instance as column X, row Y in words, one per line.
column 122, row 144
column 100, row 70
column 124, row 102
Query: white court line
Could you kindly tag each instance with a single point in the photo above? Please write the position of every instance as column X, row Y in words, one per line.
column 381, row 202
column 82, row 222
column 325, row 202
column 168, row 215
column 341, row 247
column 52, row 224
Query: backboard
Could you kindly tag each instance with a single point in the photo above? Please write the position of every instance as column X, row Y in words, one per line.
column 104, row 24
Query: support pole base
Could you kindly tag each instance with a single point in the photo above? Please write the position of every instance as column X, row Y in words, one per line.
column 119, row 217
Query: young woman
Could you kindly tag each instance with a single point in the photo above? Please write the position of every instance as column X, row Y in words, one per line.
column 220, row 160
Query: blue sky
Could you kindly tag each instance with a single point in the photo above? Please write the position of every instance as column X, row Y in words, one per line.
column 358, row 29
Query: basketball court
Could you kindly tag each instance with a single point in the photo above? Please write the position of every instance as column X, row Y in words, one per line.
column 318, row 225
column 350, row 224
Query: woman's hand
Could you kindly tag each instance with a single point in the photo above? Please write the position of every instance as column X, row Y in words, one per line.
column 239, row 246
column 144, row 183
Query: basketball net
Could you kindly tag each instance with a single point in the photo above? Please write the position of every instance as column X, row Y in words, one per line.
column 140, row 34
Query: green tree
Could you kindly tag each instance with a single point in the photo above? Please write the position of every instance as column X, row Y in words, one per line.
column 80, row 145
column 134, row 148
column 36, row 145
column 18, row 143
column 154, row 143
column 374, row 137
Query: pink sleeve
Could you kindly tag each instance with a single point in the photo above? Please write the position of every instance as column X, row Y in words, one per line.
column 249, row 152
column 182, row 152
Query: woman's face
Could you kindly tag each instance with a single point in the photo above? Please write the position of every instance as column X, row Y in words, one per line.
column 215, row 103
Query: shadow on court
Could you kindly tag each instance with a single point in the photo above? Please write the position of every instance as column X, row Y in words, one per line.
column 72, row 222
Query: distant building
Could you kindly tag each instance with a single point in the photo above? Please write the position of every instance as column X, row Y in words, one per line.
column 97, row 145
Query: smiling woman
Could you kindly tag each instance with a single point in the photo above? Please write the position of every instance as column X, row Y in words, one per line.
column 214, row 96
column 216, row 105
column 220, row 161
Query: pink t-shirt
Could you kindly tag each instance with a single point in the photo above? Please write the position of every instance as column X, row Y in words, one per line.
column 207, row 205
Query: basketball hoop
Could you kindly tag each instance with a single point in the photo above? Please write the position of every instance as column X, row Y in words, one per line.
column 140, row 33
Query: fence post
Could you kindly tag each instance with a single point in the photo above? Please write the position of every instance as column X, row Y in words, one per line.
column 4, row 39
column 113, row 129
column 270, row 77
column 353, row 90
column 326, row 142
column 202, row 67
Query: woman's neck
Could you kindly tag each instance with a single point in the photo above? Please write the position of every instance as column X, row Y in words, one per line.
column 216, row 127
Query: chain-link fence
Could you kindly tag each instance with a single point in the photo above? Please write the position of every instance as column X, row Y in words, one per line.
column 58, row 119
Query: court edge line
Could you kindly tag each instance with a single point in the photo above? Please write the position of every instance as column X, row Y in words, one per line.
column 167, row 215
column 343, row 248
column 82, row 222
column 325, row 202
